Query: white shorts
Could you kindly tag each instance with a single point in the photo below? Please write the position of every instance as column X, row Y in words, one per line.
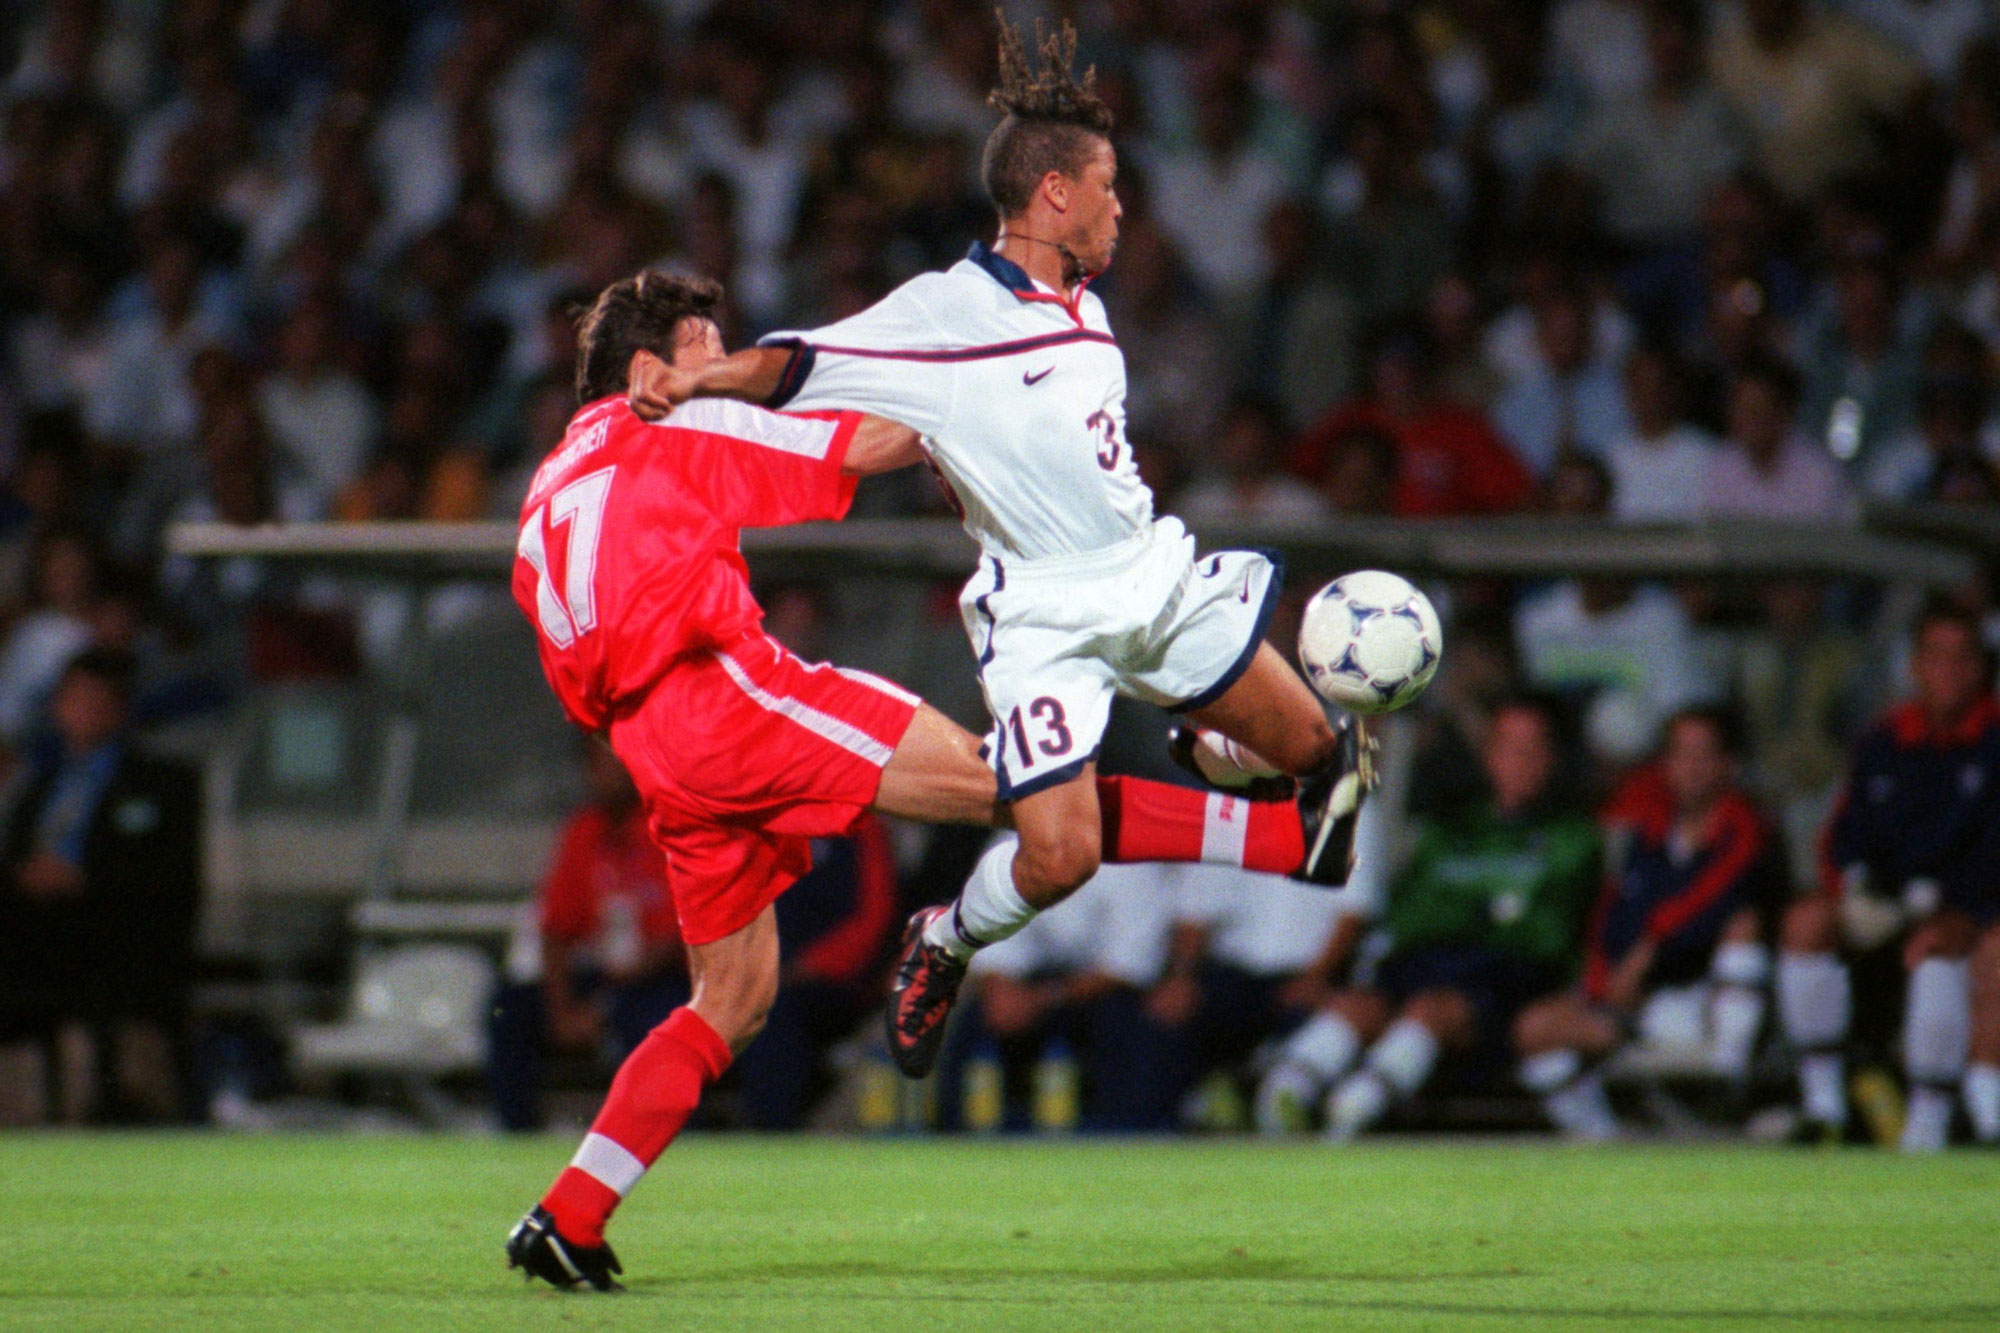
column 1057, row 638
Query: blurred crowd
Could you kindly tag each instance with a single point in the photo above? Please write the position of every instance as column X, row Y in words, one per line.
column 1645, row 260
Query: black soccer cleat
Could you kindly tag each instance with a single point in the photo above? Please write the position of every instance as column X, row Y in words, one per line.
column 1330, row 806
column 1181, row 747
column 927, row 981
column 535, row 1247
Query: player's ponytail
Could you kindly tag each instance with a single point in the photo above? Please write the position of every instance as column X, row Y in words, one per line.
column 1052, row 118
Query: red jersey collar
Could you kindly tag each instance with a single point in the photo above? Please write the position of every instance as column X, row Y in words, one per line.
column 1910, row 725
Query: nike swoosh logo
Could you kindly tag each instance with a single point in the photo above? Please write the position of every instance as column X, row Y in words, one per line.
column 1037, row 378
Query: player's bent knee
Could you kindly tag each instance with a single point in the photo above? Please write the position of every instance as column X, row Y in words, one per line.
column 1047, row 870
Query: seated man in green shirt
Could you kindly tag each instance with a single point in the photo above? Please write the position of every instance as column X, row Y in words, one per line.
column 1483, row 920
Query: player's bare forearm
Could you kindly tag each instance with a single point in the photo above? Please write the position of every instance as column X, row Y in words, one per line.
column 881, row 445
column 752, row 375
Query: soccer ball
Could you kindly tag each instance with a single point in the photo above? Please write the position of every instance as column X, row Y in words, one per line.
column 1370, row 642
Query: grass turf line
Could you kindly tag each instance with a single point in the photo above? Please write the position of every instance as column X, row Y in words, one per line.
column 214, row 1233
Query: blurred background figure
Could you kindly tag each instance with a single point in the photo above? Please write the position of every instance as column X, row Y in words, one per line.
column 1675, row 954
column 605, row 942
column 1910, row 864
column 1483, row 920
column 1076, row 1017
column 100, row 855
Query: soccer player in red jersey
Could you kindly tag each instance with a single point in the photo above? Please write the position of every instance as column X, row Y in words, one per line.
column 629, row 568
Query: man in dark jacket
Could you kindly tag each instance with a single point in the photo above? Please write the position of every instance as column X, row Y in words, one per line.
column 1912, row 853
column 99, row 888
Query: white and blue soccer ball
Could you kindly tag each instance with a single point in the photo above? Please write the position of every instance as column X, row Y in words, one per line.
column 1370, row 641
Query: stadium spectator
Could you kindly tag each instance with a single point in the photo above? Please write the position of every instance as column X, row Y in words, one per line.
column 1943, row 457
column 1675, row 953
column 1565, row 399
column 320, row 419
column 1483, row 920
column 1624, row 648
column 1656, row 150
column 1766, row 467
column 1078, row 984
column 1449, row 461
column 1658, row 465
column 1862, row 355
column 1299, row 348
column 64, row 571
column 1247, row 483
column 1812, row 86
column 1910, row 855
column 99, row 898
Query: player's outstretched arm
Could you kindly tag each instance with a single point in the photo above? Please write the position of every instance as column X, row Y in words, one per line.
column 752, row 375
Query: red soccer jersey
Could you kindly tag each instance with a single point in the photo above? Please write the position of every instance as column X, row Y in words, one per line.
column 629, row 552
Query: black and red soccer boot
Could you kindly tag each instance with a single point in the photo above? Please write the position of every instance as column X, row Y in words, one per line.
column 1330, row 806
column 535, row 1247
column 927, row 981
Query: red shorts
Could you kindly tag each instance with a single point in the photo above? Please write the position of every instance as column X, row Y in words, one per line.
column 745, row 755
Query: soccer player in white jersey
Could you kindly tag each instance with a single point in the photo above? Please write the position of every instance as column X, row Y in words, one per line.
column 1006, row 365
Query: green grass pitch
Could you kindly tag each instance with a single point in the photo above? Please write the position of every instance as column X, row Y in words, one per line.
column 390, row 1234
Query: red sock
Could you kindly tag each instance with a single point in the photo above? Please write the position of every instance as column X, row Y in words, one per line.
column 656, row 1090
column 1158, row 821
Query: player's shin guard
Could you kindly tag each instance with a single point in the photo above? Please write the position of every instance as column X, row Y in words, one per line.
column 1158, row 821
column 1936, row 1034
column 1572, row 1094
column 1814, row 1005
column 656, row 1090
column 1740, row 971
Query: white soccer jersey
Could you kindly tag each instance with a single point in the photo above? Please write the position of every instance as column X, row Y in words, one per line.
column 1019, row 393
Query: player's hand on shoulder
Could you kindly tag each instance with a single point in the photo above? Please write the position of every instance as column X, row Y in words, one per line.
column 655, row 388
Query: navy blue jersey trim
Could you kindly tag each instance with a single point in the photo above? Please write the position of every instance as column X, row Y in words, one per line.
column 1009, row 791
column 981, row 605
column 1273, row 590
column 1004, row 270
column 796, row 372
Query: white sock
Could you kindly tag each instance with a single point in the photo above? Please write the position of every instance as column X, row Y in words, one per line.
column 1938, row 1025
column 1982, row 1101
column 1311, row 1058
column 1325, row 1045
column 1581, row 1110
column 1814, row 1006
column 1404, row 1057
column 1823, row 1086
column 1287, row 1082
column 1361, row 1099
column 1737, row 1013
column 1228, row 764
column 1928, row 1124
column 1573, row 1098
column 989, row 908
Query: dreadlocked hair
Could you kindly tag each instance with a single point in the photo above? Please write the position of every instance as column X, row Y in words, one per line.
column 639, row 313
column 1051, row 120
